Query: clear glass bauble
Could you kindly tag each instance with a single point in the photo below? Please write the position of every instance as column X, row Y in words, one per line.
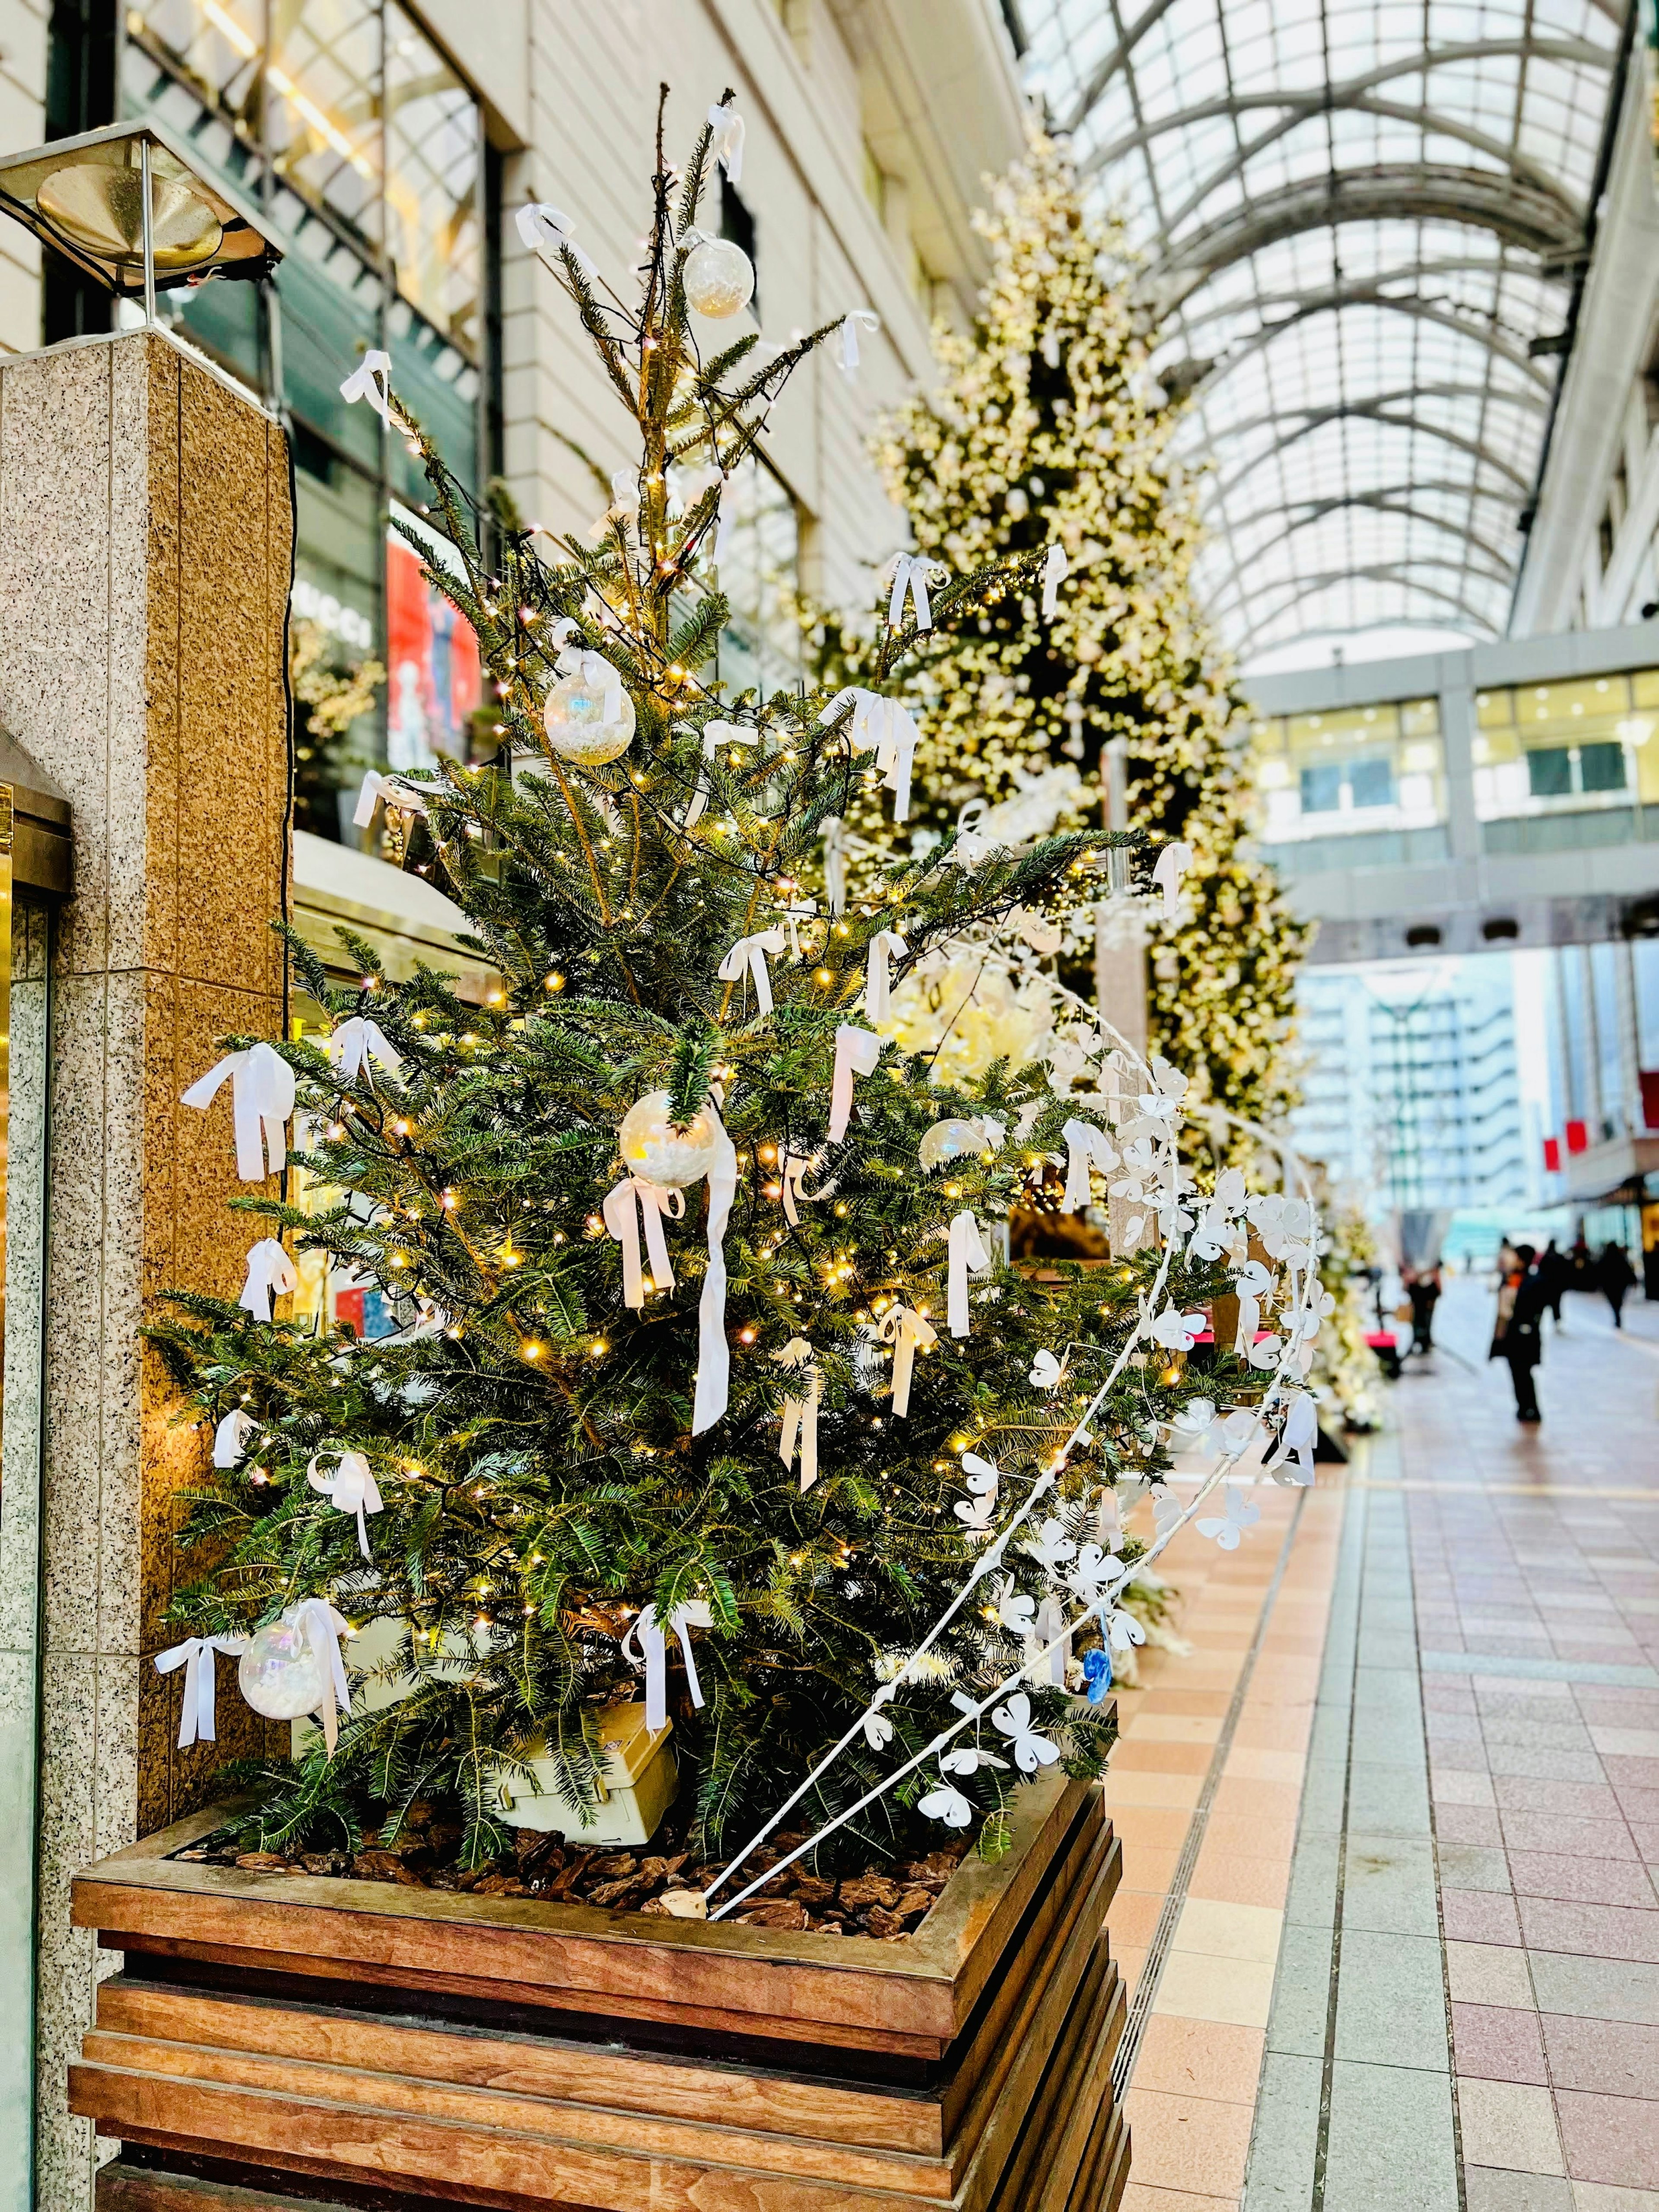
column 658, row 1151
column 282, row 1673
column 575, row 720
column 719, row 278
column 950, row 1140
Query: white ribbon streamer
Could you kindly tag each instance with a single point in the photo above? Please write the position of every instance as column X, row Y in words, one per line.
column 372, row 380
column 269, row 1270
column 1173, row 863
column 262, row 1099
column 1087, row 1146
column 1055, row 570
column 857, row 1052
column 357, row 1043
column 321, row 1627
column 715, row 735
column 377, row 787
column 545, row 231
column 835, row 861
column 849, row 336
column 647, row 1642
column 351, row 1489
column 882, row 725
column 714, row 1353
column 793, row 1167
column 725, row 142
column 800, row 1415
column 906, row 1330
column 195, row 1656
column 1051, row 1634
column 230, row 1438
column 877, row 979
column 622, row 1220
column 911, row 572
column 967, row 1252
column 751, row 953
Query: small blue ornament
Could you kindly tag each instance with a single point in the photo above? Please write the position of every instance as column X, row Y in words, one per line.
column 1097, row 1675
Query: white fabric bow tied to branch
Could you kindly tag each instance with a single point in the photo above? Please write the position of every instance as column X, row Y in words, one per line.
column 1087, row 1146
column 713, row 1389
column 372, row 380
column 357, row 1042
column 751, row 953
column 907, row 1331
column 835, row 862
column 261, row 1098
column 351, row 1489
column 647, row 1641
column 230, row 1438
column 880, row 725
column 592, row 666
column 1055, row 570
column 726, row 139
column 857, row 1052
column 545, row 231
column 195, row 1656
column 912, row 573
column 966, row 1251
column 800, row 1415
column 799, row 910
column 850, row 335
column 626, row 1205
column 377, row 788
column 715, row 735
column 321, row 1627
column 878, row 977
column 1173, row 863
column 793, row 1167
column 270, row 1271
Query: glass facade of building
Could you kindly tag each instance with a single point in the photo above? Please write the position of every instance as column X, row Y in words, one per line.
column 1568, row 765
column 1362, row 786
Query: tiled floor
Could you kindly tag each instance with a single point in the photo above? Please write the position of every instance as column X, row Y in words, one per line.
column 1386, row 1913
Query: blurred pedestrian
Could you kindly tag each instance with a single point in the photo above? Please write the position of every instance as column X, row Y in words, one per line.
column 1554, row 1273
column 1613, row 1276
column 1423, row 1289
column 1518, row 1339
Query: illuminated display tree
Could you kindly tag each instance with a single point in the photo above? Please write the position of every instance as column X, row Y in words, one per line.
column 1049, row 424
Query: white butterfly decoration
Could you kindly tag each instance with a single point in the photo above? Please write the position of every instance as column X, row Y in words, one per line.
column 1292, row 1460
column 1214, row 1234
column 877, row 1731
column 1167, row 1510
column 981, row 1477
column 1178, row 1331
column 1094, row 1568
column 1266, row 1352
column 1243, row 1513
column 948, row 1804
column 1045, row 1370
column 968, row 1758
column 1031, row 1750
column 1051, row 1546
column 1015, row 1612
column 1124, row 1629
column 1191, row 1426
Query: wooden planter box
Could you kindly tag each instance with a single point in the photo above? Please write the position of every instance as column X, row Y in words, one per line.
column 275, row 2037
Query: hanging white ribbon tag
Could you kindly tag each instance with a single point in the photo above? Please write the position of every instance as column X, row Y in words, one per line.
column 230, row 1438
column 877, row 980
column 715, row 735
column 647, row 1642
column 713, row 1391
column 1087, row 1146
column 726, row 140
column 1055, row 570
column 372, row 380
column 793, row 1167
column 377, row 787
column 849, row 336
column 262, row 1099
column 322, row 1629
column 195, row 1656
column 1051, row 1634
column 907, row 1331
column 357, row 1043
column 751, row 953
column 351, row 1489
column 1294, row 1451
column 857, row 1052
column 545, row 231
column 834, row 863
column 269, row 1270
column 911, row 575
column 800, row 1415
column 1173, row 863
column 622, row 1220
column 967, row 1252
column 880, row 725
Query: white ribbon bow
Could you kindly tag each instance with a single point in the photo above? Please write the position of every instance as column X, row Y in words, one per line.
column 195, row 1656
column 905, row 1329
column 268, row 1269
column 714, row 1353
column 545, row 230
column 835, row 862
column 351, row 1489
column 857, row 1052
column 1173, row 863
column 592, row 666
column 966, row 1251
column 357, row 1043
column 793, row 1167
column 715, row 735
column 376, row 788
column 321, row 1627
column 877, row 980
column 799, row 910
column 1055, row 570
column 261, row 1098
column 751, row 953
column 371, row 380
column 1087, row 1146
column 647, row 1641
column 882, row 725
column 622, row 1220
column 725, row 142
column 850, row 335
column 800, row 1415
column 230, row 1438
column 911, row 572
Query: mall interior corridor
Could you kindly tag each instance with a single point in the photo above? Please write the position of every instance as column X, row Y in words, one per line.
column 1389, row 1911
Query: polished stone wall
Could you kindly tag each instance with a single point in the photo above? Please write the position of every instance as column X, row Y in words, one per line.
column 144, row 562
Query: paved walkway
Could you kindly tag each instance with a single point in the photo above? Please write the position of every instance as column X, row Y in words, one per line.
column 1387, row 1916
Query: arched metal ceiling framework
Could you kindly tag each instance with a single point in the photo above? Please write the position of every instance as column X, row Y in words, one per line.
column 1358, row 216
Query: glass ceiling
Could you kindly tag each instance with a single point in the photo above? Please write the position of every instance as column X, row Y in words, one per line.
column 1357, row 214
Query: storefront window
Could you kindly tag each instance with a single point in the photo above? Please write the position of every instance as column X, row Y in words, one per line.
column 1565, row 765
column 1362, row 786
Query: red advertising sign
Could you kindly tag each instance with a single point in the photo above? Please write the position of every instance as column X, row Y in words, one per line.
column 1552, row 1155
column 1577, row 1137
column 433, row 681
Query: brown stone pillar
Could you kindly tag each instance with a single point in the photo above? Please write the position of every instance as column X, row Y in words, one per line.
column 145, row 533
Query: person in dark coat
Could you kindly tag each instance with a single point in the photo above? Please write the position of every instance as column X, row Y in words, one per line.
column 1518, row 1337
column 1554, row 1275
column 1613, row 1277
column 1423, row 1289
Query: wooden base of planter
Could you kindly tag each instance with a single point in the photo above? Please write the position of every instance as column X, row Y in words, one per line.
column 283, row 2041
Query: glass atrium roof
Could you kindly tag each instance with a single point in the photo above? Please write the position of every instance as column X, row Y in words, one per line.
column 1357, row 214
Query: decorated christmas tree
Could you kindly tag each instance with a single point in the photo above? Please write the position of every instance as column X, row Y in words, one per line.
column 712, row 1395
column 1049, row 428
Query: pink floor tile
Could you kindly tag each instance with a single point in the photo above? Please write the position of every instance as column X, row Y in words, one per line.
column 1613, row 2140
column 1498, row 2045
